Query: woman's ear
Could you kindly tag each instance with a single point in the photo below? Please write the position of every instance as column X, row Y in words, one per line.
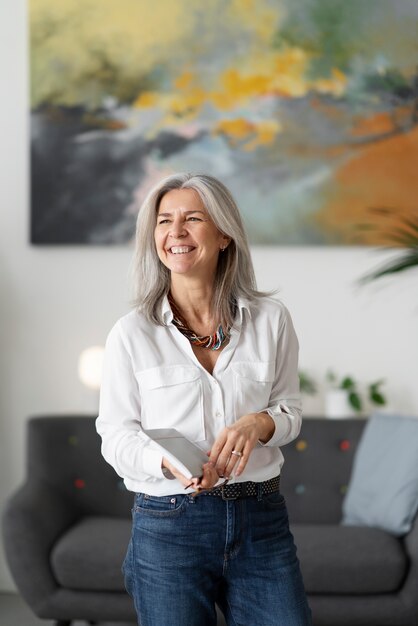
column 225, row 243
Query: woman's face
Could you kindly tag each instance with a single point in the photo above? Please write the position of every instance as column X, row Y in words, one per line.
column 187, row 240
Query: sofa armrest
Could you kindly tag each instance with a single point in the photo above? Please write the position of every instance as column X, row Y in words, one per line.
column 409, row 590
column 34, row 517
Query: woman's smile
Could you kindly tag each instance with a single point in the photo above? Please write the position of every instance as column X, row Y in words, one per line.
column 181, row 249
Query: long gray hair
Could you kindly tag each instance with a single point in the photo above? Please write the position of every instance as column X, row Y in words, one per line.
column 234, row 276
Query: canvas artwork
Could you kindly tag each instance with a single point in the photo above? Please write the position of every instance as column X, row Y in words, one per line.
column 306, row 109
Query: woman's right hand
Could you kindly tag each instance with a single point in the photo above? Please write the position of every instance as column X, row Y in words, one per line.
column 208, row 480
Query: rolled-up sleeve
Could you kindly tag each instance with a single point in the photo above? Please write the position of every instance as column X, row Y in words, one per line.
column 285, row 406
column 125, row 446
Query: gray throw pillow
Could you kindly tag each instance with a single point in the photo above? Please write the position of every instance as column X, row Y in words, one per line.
column 383, row 489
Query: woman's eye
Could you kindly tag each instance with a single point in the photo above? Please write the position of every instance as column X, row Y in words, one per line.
column 194, row 219
column 163, row 221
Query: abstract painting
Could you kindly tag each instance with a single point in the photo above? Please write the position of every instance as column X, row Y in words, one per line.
column 306, row 109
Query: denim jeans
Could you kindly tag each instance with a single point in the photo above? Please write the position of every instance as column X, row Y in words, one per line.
column 187, row 553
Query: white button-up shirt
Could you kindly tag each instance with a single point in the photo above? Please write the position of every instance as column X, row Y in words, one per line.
column 152, row 379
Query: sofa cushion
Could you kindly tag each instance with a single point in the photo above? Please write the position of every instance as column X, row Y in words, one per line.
column 383, row 489
column 349, row 559
column 90, row 555
column 334, row 558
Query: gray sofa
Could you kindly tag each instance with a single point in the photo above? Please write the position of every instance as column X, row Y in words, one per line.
column 66, row 530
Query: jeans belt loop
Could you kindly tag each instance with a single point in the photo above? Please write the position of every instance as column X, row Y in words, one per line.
column 259, row 492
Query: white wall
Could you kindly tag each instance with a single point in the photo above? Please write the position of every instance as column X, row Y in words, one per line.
column 57, row 301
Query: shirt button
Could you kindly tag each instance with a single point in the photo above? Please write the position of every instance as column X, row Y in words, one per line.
column 219, row 414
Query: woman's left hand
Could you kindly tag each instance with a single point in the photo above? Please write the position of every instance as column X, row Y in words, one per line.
column 240, row 438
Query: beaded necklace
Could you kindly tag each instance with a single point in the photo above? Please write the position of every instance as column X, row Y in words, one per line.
column 212, row 342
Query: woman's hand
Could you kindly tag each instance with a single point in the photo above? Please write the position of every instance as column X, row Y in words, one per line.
column 210, row 476
column 208, row 479
column 241, row 437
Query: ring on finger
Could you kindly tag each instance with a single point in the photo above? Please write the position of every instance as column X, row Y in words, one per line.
column 236, row 453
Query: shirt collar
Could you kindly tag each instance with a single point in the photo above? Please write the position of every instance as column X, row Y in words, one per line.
column 243, row 304
column 166, row 311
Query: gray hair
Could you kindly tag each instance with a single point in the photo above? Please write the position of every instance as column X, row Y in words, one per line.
column 234, row 276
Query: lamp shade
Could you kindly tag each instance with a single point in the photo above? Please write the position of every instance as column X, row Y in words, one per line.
column 90, row 365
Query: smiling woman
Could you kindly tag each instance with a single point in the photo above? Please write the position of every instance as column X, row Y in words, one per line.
column 152, row 278
column 205, row 353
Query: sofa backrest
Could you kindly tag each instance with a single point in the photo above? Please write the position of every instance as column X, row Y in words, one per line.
column 64, row 451
column 317, row 468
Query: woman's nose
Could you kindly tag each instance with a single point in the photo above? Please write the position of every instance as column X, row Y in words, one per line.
column 178, row 229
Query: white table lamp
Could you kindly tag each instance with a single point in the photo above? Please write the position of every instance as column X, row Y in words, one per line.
column 90, row 365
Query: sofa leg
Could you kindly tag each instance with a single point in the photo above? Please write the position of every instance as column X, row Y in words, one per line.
column 63, row 622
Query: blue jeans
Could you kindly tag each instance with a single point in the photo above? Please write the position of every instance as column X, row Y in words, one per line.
column 187, row 553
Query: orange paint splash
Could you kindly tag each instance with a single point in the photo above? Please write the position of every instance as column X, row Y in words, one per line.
column 379, row 175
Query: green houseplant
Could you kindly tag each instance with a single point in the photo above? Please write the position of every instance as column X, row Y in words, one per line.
column 344, row 396
column 307, row 383
column 404, row 236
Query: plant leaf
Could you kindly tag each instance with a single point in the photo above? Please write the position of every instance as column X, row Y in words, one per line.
column 402, row 239
column 377, row 398
column 381, row 210
column 374, row 386
column 405, row 235
column 354, row 400
column 411, row 224
column 406, row 261
column 307, row 384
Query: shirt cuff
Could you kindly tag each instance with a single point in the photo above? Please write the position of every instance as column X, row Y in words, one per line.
column 152, row 460
column 281, row 416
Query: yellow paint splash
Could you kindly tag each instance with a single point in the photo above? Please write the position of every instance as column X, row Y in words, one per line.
column 249, row 135
column 146, row 100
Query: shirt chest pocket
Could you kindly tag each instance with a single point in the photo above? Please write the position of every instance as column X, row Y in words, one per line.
column 172, row 397
column 253, row 382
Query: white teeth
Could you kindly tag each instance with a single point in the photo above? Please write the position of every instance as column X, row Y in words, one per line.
column 181, row 249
